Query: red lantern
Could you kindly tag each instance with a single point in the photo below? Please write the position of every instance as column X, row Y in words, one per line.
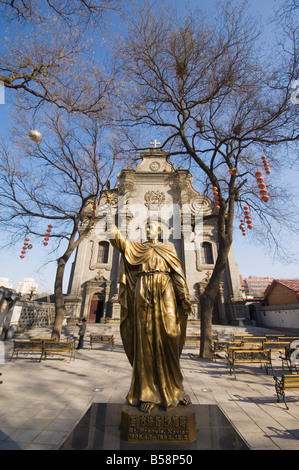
column 258, row 173
column 265, row 198
column 27, row 239
column 50, row 226
column 45, row 243
column 217, row 207
column 261, row 185
column 263, row 191
column 22, row 256
column 233, row 171
column 260, row 179
column 250, row 226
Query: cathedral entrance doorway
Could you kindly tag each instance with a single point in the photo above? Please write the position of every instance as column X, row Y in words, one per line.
column 96, row 310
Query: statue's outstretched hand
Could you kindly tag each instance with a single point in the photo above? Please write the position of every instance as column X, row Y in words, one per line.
column 110, row 221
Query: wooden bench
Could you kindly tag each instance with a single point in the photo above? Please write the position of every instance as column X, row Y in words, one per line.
column 220, row 346
column 252, row 345
column 290, row 339
column 278, row 346
column 41, row 339
column 287, row 382
column 196, row 338
column 254, row 339
column 58, row 347
column 101, row 339
column 249, row 356
column 291, row 356
column 240, row 337
column 27, row 347
column 274, row 337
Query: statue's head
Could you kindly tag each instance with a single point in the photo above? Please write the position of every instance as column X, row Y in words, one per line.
column 153, row 230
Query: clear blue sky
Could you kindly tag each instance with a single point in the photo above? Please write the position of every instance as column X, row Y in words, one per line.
column 252, row 260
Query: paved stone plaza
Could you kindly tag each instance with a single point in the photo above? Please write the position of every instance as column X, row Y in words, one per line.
column 41, row 402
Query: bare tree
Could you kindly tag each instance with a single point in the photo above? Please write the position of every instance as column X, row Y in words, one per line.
column 212, row 94
column 48, row 55
column 78, row 10
column 58, row 180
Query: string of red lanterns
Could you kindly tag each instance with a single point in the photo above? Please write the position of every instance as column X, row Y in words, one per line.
column 242, row 227
column 216, row 197
column 48, row 234
column 262, row 186
column 25, row 247
column 248, row 217
column 266, row 165
column 94, row 208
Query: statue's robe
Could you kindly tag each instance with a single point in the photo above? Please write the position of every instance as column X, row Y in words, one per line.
column 153, row 321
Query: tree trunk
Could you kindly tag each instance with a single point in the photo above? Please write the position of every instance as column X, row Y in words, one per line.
column 58, row 287
column 206, row 312
column 59, row 299
column 209, row 296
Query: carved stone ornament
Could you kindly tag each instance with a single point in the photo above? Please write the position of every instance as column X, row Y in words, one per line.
column 154, row 199
column 155, row 166
column 200, row 204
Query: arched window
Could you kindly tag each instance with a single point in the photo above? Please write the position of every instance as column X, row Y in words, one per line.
column 206, row 253
column 103, row 252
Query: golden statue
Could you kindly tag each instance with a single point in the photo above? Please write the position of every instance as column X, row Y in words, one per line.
column 155, row 304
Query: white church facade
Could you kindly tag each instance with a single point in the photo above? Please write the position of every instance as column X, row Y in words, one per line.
column 154, row 189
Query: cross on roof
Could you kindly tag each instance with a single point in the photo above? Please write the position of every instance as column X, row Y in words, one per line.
column 155, row 143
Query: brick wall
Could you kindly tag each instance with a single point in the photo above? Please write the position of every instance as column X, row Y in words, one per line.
column 281, row 295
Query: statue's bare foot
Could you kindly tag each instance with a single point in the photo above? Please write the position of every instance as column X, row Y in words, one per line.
column 185, row 400
column 147, row 407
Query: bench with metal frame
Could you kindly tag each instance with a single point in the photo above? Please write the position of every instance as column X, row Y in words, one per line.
column 41, row 339
column 96, row 338
column 58, row 347
column 249, row 356
column 285, row 383
column 196, row 338
column 277, row 346
column 254, row 339
column 291, row 356
column 223, row 346
column 237, row 337
column 27, row 347
column 274, row 337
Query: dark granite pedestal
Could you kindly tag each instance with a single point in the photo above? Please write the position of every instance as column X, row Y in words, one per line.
column 99, row 429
